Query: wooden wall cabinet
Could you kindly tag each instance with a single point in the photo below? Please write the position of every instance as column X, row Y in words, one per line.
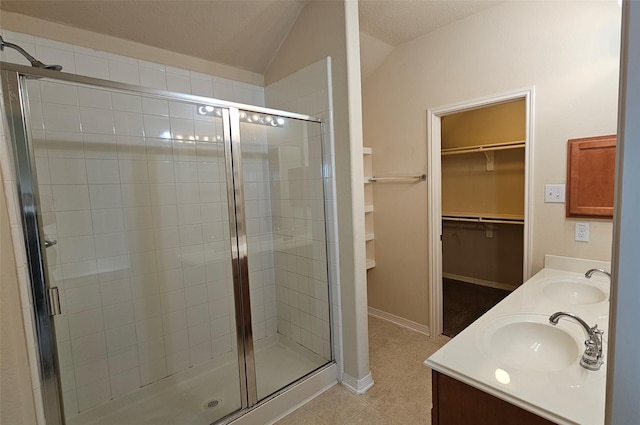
column 456, row 403
column 591, row 164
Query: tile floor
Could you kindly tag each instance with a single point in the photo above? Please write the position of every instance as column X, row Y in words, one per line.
column 402, row 391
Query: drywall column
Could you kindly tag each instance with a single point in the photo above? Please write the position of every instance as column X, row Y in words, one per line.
column 623, row 371
column 356, row 372
column 330, row 28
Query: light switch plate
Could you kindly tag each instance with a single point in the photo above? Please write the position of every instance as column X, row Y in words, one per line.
column 582, row 232
column 554, row 193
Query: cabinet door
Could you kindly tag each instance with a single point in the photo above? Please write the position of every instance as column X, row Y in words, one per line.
column 591, row 164
column 456, row 403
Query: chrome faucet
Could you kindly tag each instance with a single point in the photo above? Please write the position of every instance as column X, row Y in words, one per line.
column 590, row 273
column 592, row 356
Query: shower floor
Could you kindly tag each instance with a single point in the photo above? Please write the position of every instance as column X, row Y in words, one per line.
column 182, row 398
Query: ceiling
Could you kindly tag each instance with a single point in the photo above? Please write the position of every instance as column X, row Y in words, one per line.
column 398, row 21
column 244, row 34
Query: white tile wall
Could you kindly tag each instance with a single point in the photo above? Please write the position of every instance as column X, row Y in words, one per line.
column 259, row 231
column 129, row 274
column 299, row 233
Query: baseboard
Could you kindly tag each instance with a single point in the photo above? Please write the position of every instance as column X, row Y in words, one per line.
column 401, row 321
column 358, row 386
column 480, row 282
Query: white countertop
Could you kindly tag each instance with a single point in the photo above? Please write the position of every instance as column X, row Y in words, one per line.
column 572, row 395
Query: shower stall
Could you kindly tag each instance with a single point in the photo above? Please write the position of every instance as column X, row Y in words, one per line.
column 177, row 248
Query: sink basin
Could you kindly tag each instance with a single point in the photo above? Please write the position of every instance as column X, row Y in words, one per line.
column 579, row 291
column 529, row 342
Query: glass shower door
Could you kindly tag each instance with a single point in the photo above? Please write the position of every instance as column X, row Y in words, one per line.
column 177, row 250
column 286, row 243
column 133, row 205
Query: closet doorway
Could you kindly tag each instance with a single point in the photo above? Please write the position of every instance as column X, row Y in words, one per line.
column 479, row 190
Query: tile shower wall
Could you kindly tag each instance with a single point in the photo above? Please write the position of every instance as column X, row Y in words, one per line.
column 299, row 239
column 258, row 207
column 298, row 225
column 136, row 207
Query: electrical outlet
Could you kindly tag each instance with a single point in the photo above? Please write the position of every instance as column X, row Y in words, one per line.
column 582, row 232
column 554, row 193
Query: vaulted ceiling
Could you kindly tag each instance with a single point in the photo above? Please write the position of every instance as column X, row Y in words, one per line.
column 398, row 21
column 244, row 34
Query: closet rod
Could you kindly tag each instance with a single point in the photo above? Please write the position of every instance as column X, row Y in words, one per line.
column 457, row 151
column 482, row 220
column 419, row 177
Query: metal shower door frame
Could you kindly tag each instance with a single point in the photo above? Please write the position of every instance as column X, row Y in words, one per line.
column 16, row 105
column 17, row 131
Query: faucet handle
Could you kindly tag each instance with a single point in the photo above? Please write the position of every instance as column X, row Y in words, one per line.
column 597, row 333
column 592, row 348
column 591, row 359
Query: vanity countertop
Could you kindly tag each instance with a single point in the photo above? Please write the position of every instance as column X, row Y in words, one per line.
column 563, row 393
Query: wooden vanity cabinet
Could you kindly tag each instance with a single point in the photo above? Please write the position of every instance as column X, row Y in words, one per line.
column 456, row 403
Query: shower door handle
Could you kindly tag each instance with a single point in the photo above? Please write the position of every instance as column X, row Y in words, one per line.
column 48, row 243
column 54, row 301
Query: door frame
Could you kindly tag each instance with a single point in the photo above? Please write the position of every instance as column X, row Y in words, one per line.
column 434, row 201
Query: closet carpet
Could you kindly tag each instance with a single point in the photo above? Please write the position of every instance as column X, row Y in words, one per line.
column 466, row 302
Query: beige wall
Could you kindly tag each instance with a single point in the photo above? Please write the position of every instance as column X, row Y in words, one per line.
column 504, row 122
column 468, row 252
column 331, row 29
column 67, row 34
column 567, row 50
column 16, row 396
column 373, row 52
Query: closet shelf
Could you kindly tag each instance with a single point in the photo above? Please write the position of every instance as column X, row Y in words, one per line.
column 484, row 218
column 518, row 144
column 368, row 206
